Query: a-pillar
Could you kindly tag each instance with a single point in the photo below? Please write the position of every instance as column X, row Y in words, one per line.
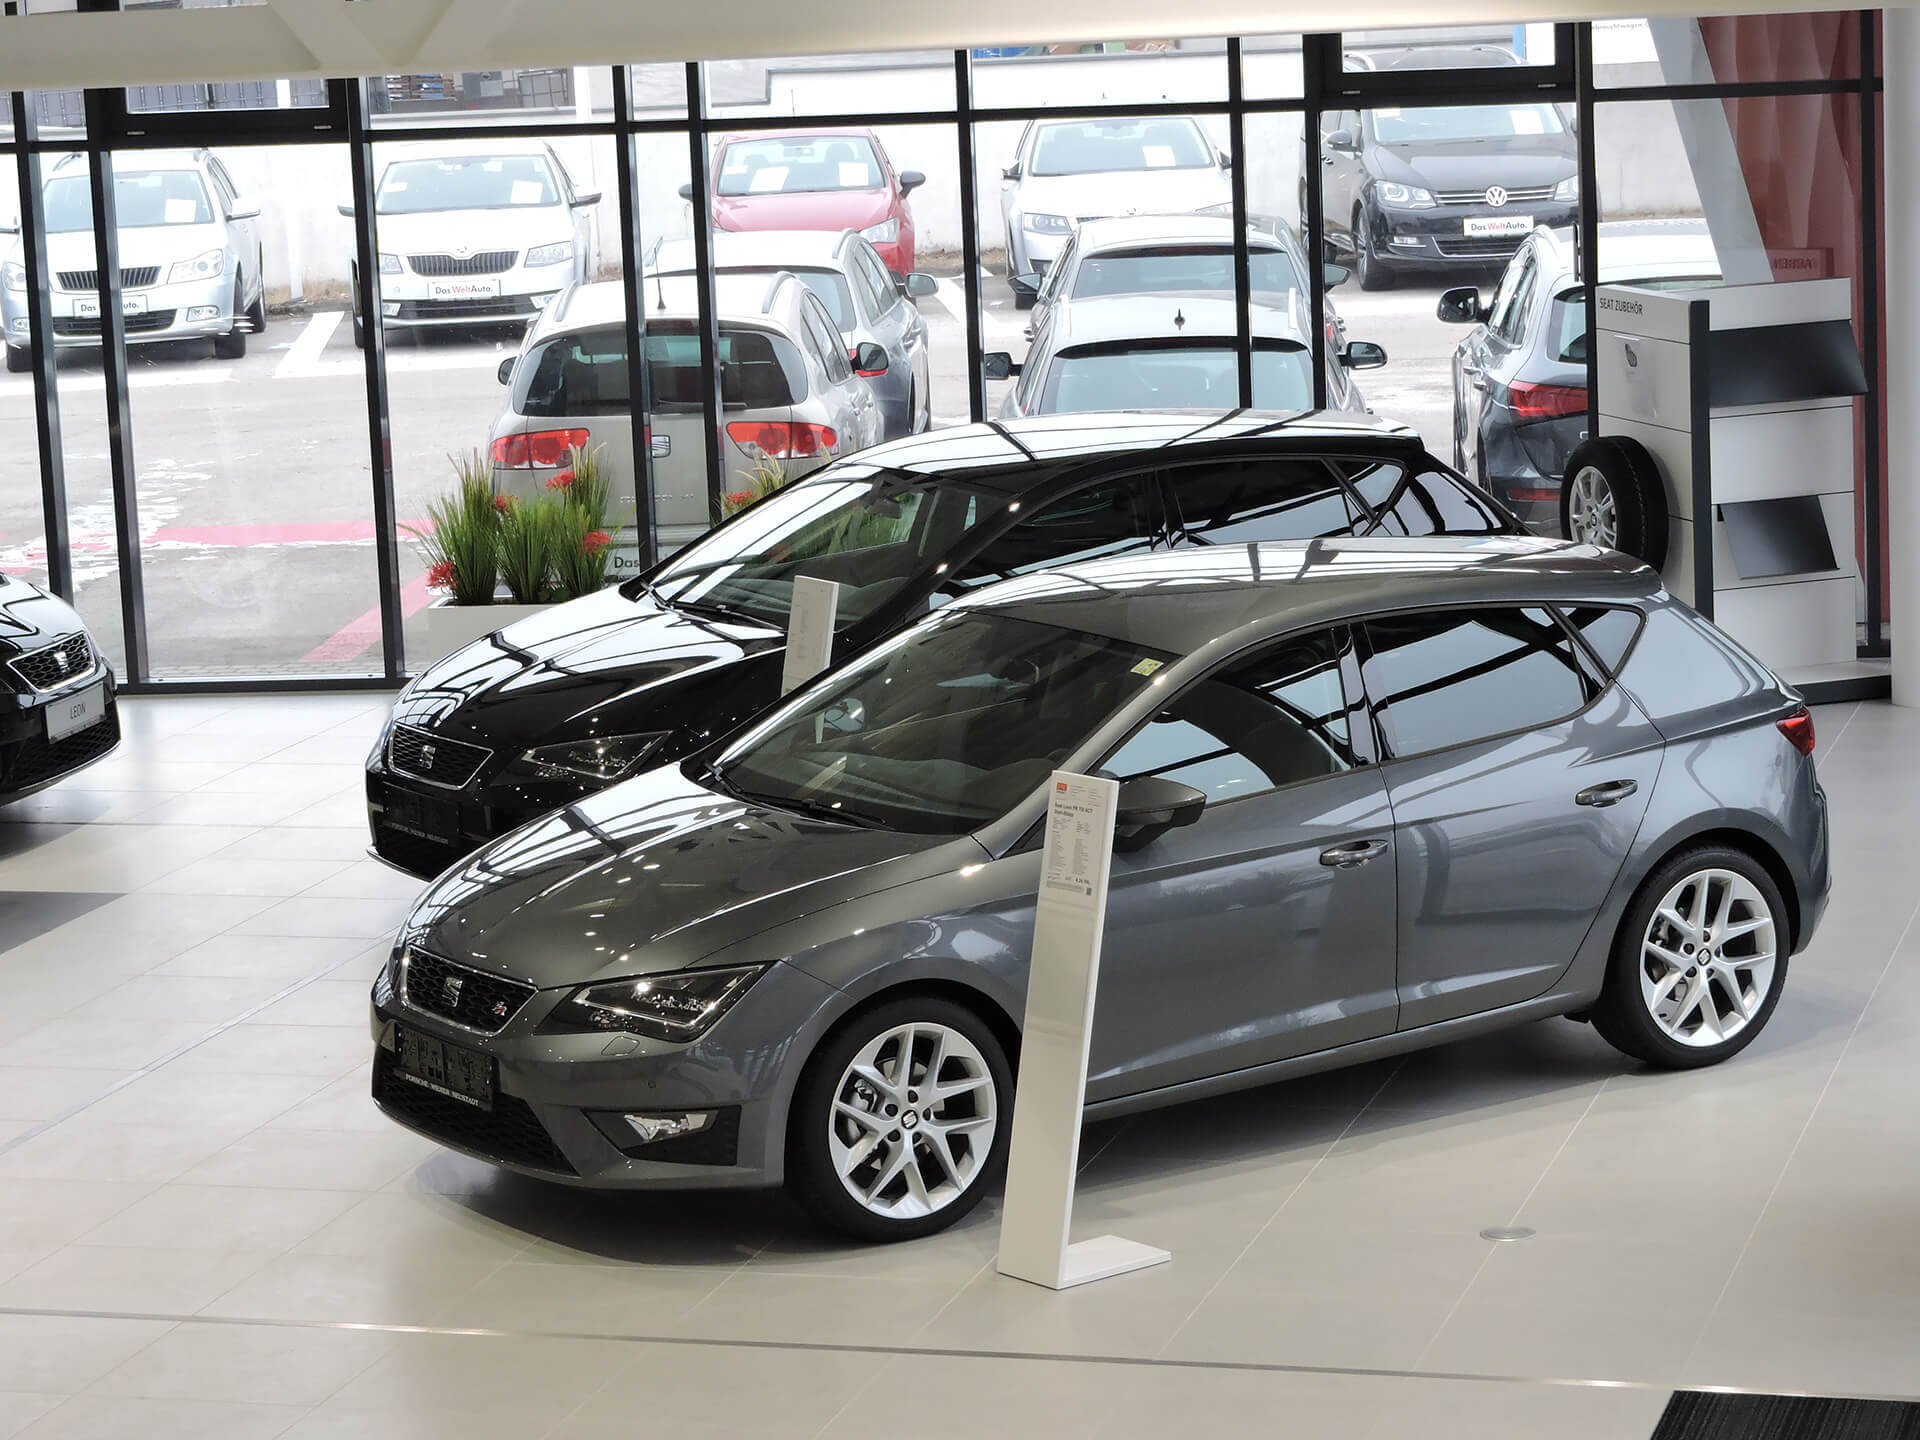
column 1901, row 40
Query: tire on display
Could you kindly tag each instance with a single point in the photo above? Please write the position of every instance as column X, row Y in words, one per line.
column 18, row 361
column 233, row 344
column 1371, row 274
column 1698, row 962
column 901, row 1120
column 1613, row 495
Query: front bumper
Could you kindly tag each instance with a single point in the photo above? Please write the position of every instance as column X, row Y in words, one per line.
column 29, row 761
column 1438, row 238
column 558, row 1098
column 410, row 302
column 193, row 311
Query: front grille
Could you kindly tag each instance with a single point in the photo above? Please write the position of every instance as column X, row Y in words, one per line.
column 485, row 307
column 430, row 757
column 1478, row 247
column 132, row 277
column 146, row 320
column 453, row 992
column 510, row 1131
column 54, row 666
column 487, row 262
column 38, row 760
column 1526, row 194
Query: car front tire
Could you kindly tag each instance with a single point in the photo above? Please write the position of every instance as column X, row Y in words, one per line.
column 901, row 1121
column 1371, row 274
column 1698, row 962
column 18, row 361
column 233, row 344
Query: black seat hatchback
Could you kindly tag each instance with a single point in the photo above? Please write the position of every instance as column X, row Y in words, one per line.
column 571, row 700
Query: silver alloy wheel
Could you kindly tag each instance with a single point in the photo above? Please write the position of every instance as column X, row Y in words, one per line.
column 1590, row 509
column 913, row 1120
column 1707, row 962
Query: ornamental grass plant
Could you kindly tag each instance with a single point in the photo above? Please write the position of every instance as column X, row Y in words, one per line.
column 461, row 543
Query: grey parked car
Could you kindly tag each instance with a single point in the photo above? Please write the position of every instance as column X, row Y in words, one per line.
column 1375, row 795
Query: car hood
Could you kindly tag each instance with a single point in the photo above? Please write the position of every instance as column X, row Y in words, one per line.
column 31, row 618
column 653, row 875
column 441, row 232
column 158, row 245
column 1125, row 192
column 1514, row 162
column 820, row 210
column 554, row 670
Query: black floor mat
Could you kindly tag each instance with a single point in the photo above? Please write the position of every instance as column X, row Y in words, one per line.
column 1695, row 1415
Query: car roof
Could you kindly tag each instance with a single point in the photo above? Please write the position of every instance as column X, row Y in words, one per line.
column 799, row 133
column 1125, row 231
column 1201, row 315
column 759, row 249
column 1179, row 601
column 462, row 149
column 134, row 161
column 738, row 299
column 1633, row 250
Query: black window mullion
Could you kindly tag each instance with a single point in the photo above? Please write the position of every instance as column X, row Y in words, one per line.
column 46, row 388
column 1871, row 458
column 1242, row 263
column 970, row 237
column 711, row 406
column 1312, row 63
column 639, row 397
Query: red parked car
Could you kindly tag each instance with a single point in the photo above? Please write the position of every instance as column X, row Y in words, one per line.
column 816, row 180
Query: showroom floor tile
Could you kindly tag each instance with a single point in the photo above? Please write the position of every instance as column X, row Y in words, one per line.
column 206, row 1229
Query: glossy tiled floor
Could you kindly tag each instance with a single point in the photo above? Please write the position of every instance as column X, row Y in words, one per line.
column 206, row 1231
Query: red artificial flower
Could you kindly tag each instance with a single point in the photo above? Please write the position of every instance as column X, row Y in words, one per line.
column 740, row 499
column 595, row 541
column 503, row 503
column 561, row 481
column 440, row 577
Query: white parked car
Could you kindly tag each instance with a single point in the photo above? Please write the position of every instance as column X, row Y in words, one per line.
column 1066, row 172
column 475, row 233
column 190, row 256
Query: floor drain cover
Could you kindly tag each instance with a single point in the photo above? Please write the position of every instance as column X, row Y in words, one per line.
column 1506, row 1232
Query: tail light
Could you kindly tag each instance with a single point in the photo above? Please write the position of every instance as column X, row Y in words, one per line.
column 781, row 439
column 1545, row 402
column 1798, row 728
column 546, row 448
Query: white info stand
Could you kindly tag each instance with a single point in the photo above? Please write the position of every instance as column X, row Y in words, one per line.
column 1068, row 922
column 809, row 631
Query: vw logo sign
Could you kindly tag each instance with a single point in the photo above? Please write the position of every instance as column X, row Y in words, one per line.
column 1496, row 196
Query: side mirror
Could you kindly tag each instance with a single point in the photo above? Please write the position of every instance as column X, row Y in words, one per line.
column 1341, row 140
column 686, row 191
column 1363, row 355
column 345, row 207
column 1151, row 805
column 911, row 180
column 920, row 286
column 869, row 360
column 583, row 198
column 1026, row 284
column 1460, row 306
column 505, row 372
column 1226, row 160
column 998, row 365
column 1333, row 276
column 243, row 208
column 1012, row 172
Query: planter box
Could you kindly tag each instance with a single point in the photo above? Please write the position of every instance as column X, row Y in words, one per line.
column 449, row 626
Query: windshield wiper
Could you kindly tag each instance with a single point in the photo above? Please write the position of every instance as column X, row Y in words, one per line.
column 823, row 810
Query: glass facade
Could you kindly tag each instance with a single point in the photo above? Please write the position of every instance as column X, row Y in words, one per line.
column 275, row 425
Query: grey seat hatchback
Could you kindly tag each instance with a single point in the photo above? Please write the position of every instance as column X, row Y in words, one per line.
column 1375, row 795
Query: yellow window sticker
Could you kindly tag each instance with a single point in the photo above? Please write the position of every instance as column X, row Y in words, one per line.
column 1147, row 667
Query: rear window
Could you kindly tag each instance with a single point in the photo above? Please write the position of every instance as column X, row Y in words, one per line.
column 1203, row 376
column 1609, row 633
column 800, row 164
column 586, row 373
column 466, row 182
column 1085, row 147
column 1432, row 503
column 1163, row 268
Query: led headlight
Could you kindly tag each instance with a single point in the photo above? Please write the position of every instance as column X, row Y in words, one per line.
column 13, row 276
column 1568, row 190
column 1048, row 224
column 1405, row 197
column 885, row 233
column 679, row 1006
column 550, row 254
column 603, row 757
column 200, row 267
column 389, row 264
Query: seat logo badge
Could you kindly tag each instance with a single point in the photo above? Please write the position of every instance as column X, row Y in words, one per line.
column 1496, row 196
column 450, row 989
column 426, row 756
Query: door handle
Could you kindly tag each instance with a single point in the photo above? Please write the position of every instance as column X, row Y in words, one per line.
column 1346, row 857
column 1611, row 793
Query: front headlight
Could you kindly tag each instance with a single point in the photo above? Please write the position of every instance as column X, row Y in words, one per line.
column 679, row 1006
column 1405, row 197
column 550, row 254
column 1048, row 224
column 1568, row 190
column 885, row 233
column 13, row 275
column 389, row 264
column 201, row 267
column 603, row 757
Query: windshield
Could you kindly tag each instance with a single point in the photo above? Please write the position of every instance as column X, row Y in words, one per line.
column 945, row 728
column 872, row 532
column 141, row 199
column 1086, row 147
column 799, row 165
column 1203, row 376
column 1464, row 122
column 466, row 182
column 1166, row 268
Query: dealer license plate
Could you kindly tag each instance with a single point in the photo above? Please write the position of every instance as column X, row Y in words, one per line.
column 421, row 815
column 462, row 289
column 71, row 714
column 1498, row 224
column 444, row 1068
column 87, row 307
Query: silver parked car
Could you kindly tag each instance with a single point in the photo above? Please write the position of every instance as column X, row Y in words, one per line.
column 1375, row 795
column 191, row 264
column 793, row 401
column 869, row 304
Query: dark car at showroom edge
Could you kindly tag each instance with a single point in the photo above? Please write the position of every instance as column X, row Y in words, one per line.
column 57, row 697
column 576, row 697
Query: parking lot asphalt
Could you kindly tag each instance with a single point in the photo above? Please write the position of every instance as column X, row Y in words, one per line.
column 255, row 499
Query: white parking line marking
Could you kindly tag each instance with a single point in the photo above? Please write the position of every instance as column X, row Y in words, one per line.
column 303, row 354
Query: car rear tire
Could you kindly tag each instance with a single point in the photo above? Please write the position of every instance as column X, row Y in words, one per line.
column 1612, row 495
column 873, row 1151
column 233, row 344
column 1698, row 962
column 18, row 361
column 1371, row 274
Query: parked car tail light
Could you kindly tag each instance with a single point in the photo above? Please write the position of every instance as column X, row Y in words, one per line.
column 1546, row 402
column 1798, row 728
column 780, row 439
column 540, row 447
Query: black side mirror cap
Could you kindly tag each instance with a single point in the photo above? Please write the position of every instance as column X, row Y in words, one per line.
column 505, row 372
column 1363, row 355
column 1025, row 283
column 1460, row 306
column 911, row 180
column 869, row 360
column 998, row 365
column 1149, row 806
